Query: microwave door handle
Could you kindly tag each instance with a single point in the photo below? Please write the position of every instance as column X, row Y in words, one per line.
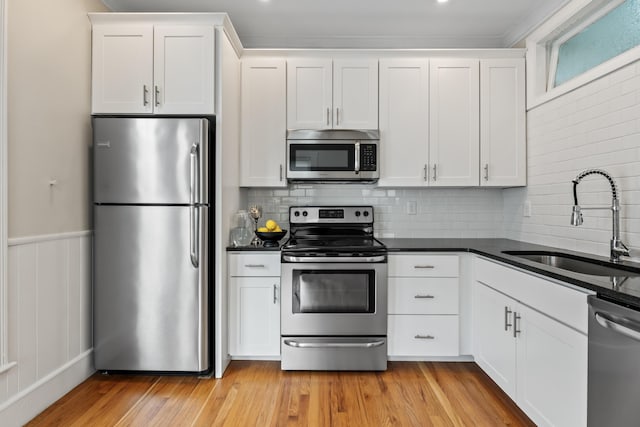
column 357, row 159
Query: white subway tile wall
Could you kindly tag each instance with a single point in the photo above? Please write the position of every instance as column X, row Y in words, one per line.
column 439, row 213
column 595, row 126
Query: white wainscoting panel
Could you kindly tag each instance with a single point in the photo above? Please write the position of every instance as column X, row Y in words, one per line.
column 50, row 322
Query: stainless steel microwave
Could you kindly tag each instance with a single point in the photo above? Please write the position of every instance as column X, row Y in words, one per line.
column 333, row 155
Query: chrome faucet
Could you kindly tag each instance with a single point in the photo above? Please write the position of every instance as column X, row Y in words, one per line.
column 618, row 248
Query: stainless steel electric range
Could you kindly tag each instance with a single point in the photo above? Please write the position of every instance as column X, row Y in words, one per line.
column 334, row 291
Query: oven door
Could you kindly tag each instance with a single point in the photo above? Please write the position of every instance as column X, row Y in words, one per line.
column 334, row 299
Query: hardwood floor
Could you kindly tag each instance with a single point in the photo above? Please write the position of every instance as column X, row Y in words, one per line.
column 259, row 394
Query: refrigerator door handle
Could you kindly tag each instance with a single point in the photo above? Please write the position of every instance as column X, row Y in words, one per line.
column 194, row 234
column 193, row 209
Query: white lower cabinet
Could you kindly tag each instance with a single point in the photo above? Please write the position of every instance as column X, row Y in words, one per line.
column 254, row 305
column 423, row 306
column 539, row 362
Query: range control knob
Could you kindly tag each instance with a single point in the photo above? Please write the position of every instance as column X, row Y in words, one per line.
column 296, row 213
column 358, row 213
column 366, row 213
column 305, row 213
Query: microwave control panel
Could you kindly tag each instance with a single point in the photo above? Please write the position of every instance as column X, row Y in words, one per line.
column 368, row 158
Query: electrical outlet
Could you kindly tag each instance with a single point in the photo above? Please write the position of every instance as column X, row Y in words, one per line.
column 526, row 209
column 412, row 207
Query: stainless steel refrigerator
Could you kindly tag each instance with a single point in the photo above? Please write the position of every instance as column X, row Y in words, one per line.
column 152, row 188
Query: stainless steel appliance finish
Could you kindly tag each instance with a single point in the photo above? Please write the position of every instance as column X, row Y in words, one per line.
column 334, row 291
column 614, row 352
column 332, row 155
column 152, row 284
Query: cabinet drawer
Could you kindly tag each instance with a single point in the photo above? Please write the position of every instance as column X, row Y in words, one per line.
column 423, row 265
column 418, row 295
column 423, row 335
column 254, row 264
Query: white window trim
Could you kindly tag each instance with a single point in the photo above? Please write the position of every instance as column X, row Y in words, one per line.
column 539, row 83
column 4, row 302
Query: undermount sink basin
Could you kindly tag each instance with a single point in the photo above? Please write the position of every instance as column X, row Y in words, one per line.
column 575, row 263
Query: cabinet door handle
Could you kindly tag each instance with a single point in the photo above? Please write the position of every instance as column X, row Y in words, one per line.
column 145, row 97
column 516, row 331
column 280, row 172
column 157, row 95
column 424, row 296
column 435, row 172
column 275, row 294
column 254, row 265
column 328, row 115
column 486, row 172
column 424, row 266
column 424, row 337
column 426, row 172
column 337, row 116
column 507, row 312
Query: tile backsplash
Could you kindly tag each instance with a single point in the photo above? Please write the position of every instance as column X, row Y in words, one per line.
column 439, row 212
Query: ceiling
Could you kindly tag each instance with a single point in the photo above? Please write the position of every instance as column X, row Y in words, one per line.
column 366, row 24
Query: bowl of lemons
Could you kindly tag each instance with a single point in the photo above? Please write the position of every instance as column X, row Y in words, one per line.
column 270, row 234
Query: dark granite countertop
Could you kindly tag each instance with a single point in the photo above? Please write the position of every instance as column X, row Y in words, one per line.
column 251, row 249
column 621, row 290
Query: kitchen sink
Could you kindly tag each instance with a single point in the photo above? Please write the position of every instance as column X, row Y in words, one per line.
column 575, row 263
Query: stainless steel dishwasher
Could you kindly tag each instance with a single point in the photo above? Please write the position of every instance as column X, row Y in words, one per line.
column 614, row 364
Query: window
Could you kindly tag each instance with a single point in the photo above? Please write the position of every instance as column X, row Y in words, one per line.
column 583, row 41
column 613, row 30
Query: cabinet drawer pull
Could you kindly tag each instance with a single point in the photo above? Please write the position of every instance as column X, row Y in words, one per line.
column 507, row 312
column 424, row 296
column 424, row 266
column 424, row 337
column 254, row 265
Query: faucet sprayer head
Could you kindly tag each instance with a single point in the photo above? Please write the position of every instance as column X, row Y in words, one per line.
column 576, row 216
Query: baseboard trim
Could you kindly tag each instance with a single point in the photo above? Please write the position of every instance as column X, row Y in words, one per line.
column 24, row 406
column 461, row 358
column 16, row 241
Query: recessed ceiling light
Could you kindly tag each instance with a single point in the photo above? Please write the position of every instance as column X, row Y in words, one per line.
column 442, row 1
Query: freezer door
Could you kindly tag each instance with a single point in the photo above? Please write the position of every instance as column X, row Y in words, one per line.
column 151, row 305
column 151, row 160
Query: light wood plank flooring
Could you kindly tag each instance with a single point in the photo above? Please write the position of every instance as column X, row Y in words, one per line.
column 259, row 394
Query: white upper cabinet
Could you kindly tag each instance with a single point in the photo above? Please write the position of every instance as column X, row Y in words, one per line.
column 263, row 123
column 355, row 94
column 454, row 119
column 184, row 69
column 502, row 123
column 309, row 94
column 147, row 69
column 404, row 124
column 122, row 75
column 326, row 94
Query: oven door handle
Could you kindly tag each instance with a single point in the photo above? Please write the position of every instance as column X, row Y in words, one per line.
column 309, row 259
column 328, row 344
column 607, row 321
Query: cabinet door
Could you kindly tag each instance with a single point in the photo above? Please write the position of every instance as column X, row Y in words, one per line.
column 495, row 346
column 263, row 119
column 309, row 92
column 552, row 370
column 404, row 124
column 184, row 69
column 502, row 123
column 122, row 69
column 454, row 122
column 355, row 94
column 255, row 316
